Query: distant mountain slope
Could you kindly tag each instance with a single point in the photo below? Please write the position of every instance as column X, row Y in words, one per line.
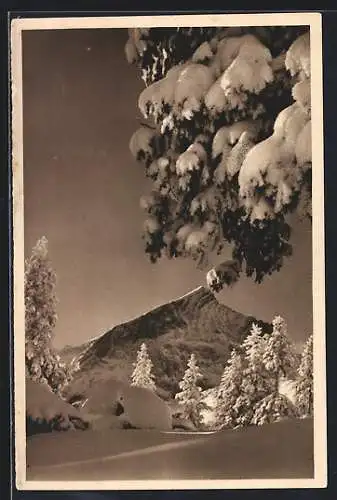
column 195, row 322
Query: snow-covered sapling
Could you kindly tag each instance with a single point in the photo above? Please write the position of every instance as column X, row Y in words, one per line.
column 142, row 375
column 42, row 362
column 190, row 397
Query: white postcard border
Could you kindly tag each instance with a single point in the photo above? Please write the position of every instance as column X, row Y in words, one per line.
column 318, row 286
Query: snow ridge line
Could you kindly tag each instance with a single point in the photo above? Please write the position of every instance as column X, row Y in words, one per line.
column 90, row 342
column 126, row 454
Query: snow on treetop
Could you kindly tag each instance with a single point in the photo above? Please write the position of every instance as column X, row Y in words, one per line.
column 40, row 250
column 261, row 210
column 229, row 135
column 131, row 52
column 192, row 84
column 298, row 57
column 236, row 130
column 192, row 237
column 150, row 98
column 205, row 200
column 220, row 141
column 289, row 123
column 141, row 141
column 272, row 162
column 202, row 53
column 159, row 169
column 135, row 42
column 215, row 99
column 252, row 48
column 195, row 240
column 264, row 162
column 191, row 159
column 226, row 51
column 279, row 324
column 151, row 225
column 200, row 237
column 250, row 70
column 184, row 231
column 161, row 92
column 247, row 75
column 149, row 201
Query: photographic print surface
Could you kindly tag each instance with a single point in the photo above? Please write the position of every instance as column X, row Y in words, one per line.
column 169, row 309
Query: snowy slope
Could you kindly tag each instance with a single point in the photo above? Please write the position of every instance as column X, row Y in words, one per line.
column 251, row 453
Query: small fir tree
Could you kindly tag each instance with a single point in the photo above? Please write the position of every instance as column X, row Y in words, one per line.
column 305, row 381
column 42, row 363
column 226, row 411
column 142, row 375
column 190, row 396
column 279, row 356
column 279, row 361
column 272, row 408
column 255, row 384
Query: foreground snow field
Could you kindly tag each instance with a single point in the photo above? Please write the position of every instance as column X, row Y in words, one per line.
column 281, row 450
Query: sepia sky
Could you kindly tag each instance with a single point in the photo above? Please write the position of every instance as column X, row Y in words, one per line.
column 82, row 190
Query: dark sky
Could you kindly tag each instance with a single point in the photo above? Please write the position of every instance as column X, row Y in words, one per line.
column 82, row 191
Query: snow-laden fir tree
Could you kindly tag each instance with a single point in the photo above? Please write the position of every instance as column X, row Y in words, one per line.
column 256, row 383
column 142, row 375
column 227, row 144
column 279, row 355
column 279, row 361
column 305, row 381
column 190, row 397
column 42, row 362
column 227, row 412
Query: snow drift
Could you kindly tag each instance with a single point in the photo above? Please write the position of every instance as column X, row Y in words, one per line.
column 45, row 411
column 135, row 407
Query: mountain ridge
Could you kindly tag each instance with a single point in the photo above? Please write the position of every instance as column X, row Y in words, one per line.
column 194, row 322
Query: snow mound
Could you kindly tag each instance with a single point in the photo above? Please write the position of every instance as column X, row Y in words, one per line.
column 46, row 410
column 298, row 57
column 117, row 404
column 142, row 408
